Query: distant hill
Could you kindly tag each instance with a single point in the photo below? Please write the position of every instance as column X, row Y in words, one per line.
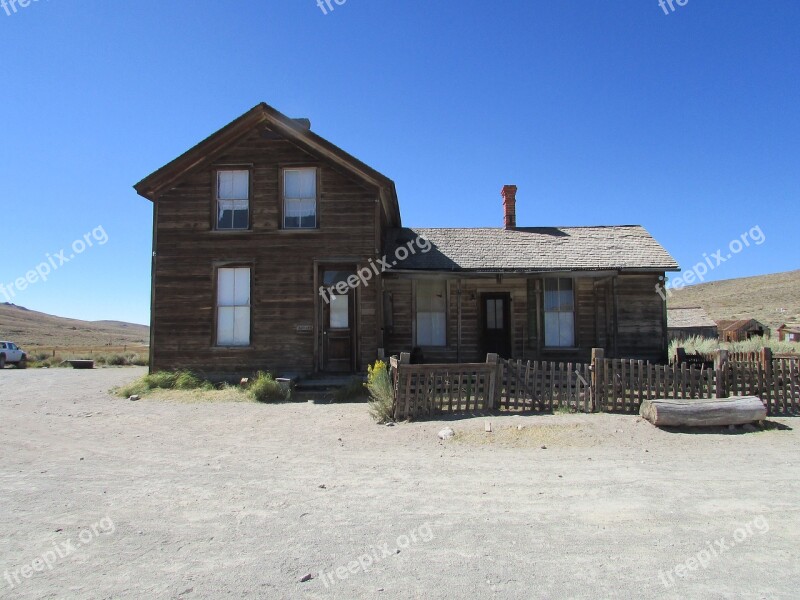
column 771, row 299
column 30, row 329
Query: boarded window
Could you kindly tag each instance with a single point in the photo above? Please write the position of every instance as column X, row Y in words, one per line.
column 300, row 198
column 233, row 199
column 559, row 313
column 431, row 313
column 233, row 307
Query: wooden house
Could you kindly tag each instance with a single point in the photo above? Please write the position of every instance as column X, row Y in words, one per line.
column 690, row 321
column 789, row 332
column 740, row 330
column 274, row 249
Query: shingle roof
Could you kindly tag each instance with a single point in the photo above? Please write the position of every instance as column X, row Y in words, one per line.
column 680, row 317
column 735, row 325
column 531, row 249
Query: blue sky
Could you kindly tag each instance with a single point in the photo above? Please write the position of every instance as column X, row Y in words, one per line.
column 602, row 112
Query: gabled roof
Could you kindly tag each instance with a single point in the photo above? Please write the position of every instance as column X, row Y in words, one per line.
column 790, row 327
column 737, row 324
column 533, row 249
column 690, row 316
column 155, row 184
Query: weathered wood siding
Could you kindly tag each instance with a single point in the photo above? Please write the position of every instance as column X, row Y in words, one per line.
column 633, row 326
column 282, row 263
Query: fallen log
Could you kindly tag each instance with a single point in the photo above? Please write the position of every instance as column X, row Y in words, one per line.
column 703, row 413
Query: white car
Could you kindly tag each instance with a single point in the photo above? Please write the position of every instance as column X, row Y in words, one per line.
column 12, row 354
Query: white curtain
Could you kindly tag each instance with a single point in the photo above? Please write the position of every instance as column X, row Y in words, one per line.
column 431, row 313
column 300, row 184
column 233, row 185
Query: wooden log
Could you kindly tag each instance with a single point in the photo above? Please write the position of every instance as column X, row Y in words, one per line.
column 703, row 413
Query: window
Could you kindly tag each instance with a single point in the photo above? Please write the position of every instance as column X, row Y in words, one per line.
column 233, row 199
column 300, row 198
column 431, row 313
column 494, row 314
column 233, row 307
column 559, row 313
column 340, row 311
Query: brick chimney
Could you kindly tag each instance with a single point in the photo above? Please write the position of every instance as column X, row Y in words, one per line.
column 510, row 206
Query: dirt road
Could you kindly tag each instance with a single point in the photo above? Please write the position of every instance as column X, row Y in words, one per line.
column 105, row 498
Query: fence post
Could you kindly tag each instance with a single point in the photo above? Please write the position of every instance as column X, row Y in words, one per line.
column 598, row 354
column 401, row 397
column 769, row 386
column 494, row 384
column 721, row 367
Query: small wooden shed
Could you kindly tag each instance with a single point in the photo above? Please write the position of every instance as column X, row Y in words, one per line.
column 741, row 330
column 789, row 332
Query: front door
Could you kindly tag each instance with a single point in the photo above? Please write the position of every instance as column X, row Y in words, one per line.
column 496, row 325
column 338, row 325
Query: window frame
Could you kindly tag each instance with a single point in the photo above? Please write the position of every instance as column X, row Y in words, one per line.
column 574, row 312
column 415, row 294
column 282, row 196
column 215, row 194
column 216, row 271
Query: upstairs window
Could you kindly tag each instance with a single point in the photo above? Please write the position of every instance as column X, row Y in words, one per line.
column 233, row 199
column 431, row 313
column 300, row 199
column 559, row 313
column 233, row 307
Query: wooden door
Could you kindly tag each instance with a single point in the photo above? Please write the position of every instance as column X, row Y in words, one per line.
column 496, row 324
column 338, row 328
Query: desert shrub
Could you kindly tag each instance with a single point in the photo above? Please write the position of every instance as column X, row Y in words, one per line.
column 756, row 344
column 264, row 388
column 48, row 362
column 164, row 380
column 381, row 394
column 354, row 390
column 700, row 345
column 138, row 360
column 114, row 360
column 185, row 380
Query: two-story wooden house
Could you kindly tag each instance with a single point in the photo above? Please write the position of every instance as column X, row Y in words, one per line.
column 275, row 250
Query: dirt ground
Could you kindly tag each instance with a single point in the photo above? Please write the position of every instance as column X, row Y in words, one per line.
column 102, row 497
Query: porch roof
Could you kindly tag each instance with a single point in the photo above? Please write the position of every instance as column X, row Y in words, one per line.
column 532, row 249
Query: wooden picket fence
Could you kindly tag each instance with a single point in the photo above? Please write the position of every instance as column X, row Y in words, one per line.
column 545, row 386
column 423, row 390
column 608, row 385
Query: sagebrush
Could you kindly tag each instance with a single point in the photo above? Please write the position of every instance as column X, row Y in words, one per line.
column 264, row 388
column 381, row 394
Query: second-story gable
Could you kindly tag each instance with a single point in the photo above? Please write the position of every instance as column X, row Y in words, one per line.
column 265, row 173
